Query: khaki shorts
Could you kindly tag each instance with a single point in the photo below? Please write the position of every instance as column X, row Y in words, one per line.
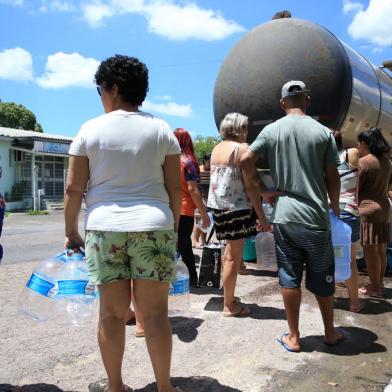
column 113, row 256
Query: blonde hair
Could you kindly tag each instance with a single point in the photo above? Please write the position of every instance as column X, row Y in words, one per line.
column 233, row 126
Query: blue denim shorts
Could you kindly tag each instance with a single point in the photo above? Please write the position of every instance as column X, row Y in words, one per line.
column 353, row 222
column 300, row 248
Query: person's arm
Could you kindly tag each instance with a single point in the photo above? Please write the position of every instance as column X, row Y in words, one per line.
column 77, row 179
column 172, row 181
column 252, row 182
column 353, row 157
column 332, row 180
column 194, row 191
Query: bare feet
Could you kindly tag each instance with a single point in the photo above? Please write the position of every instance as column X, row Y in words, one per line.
column 334, row 338
column 356, row 307
column 236, row 310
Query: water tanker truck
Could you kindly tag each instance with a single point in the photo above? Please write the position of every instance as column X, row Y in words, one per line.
column 347, row 92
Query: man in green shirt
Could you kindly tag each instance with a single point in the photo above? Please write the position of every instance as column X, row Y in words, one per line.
column 303, row 159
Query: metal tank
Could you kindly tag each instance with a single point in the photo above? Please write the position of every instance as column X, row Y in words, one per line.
column 347, row 92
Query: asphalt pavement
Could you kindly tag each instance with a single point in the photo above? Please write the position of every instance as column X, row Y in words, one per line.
column 210, row 354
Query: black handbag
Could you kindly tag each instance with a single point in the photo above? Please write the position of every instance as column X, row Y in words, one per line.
column 210, row 265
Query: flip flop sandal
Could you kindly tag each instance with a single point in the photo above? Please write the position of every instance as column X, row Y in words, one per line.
column 139, row 334
column 243, row 312
column 280, row 340
column 344, row 336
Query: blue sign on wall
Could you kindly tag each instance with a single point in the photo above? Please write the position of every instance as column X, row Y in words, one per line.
column 51, row 147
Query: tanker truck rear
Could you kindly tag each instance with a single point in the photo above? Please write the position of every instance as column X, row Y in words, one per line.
column 347, row 92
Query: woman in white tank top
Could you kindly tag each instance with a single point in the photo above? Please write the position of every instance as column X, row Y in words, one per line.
column 231, row 205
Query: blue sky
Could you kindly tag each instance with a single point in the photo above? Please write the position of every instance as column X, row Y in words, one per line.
column 49, row 50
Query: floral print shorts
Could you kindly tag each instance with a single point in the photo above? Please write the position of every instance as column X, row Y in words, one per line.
column 113, row 256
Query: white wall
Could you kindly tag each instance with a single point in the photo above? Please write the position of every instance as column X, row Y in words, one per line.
column 7, row 179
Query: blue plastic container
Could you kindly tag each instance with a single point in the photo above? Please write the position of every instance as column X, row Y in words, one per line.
column 341, row 241
column 250, row 249
column 389, row 259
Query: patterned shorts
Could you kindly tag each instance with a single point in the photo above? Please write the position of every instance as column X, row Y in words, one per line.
column 234, row 225
column 113, row 256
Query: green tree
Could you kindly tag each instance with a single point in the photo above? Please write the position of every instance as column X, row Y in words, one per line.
column 204, row 145
column 13, row 115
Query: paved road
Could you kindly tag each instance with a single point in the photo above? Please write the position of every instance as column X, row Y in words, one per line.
column 211, row 354
column 33, row 237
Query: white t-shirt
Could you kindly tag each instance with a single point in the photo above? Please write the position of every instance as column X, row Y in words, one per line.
column 126, row 151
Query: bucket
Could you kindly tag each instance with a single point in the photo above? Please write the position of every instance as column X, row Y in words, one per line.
column 249, row 249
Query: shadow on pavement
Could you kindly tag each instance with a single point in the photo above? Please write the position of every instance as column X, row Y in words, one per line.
column 387, row 293
column 185, row 328
column 359, row 341
column 215, row 304
column 371, row 305
column 206, row 291
column 31, row 388
column 194, row 384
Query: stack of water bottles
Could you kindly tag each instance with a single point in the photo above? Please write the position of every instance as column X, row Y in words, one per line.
column 59, row 290
column 179, row 301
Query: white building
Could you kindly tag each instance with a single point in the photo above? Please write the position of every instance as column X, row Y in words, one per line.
column 32, row 168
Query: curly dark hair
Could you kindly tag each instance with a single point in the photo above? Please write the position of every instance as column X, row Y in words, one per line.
column 128, row 73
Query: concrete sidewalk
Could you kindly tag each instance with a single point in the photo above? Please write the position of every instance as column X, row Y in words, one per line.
column 211, row 353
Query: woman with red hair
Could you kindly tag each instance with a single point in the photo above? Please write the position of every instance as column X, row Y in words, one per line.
column 191, row 199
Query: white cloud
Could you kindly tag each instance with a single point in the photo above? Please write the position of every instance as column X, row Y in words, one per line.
column 189, row 22
column 169, row 108
column 165, row 18
column 43, row 5
column 351, row 6
column 16, row 64
column 374, row 23
column 65, row 70
column 94, row 13
column 59, row 5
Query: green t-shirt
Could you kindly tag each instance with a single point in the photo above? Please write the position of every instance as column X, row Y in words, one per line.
column 297, row 149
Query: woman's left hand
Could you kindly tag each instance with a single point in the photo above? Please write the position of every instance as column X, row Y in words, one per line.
column 74, row 241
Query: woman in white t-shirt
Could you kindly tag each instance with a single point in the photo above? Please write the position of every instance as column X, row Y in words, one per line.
column 129, row 161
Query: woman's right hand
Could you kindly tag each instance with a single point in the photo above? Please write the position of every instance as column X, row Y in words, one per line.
column 73, row 241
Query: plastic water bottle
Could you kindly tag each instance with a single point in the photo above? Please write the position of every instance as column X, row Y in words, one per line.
column 200, row 224
column 341, row 241
column 267, row 208
column 179, row 301
column 75, row 296
column 265, row 251
column 38, row 296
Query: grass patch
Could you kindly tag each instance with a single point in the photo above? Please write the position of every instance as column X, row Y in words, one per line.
column 37, row 212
